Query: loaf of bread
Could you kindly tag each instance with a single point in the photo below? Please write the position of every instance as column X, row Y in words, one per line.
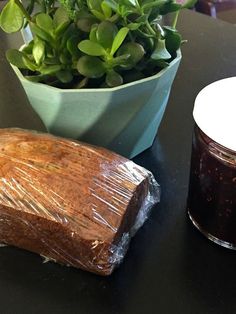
column 70, row 202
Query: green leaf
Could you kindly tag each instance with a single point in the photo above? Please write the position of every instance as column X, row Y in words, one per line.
column 72, row 45
column 128, row 3
column 15, row 57
column 30, row 65
column 65, row 57
column 113, row 79
column 82, row 84
column 106, row 33
column 94, row 4
column 153, row 4
column 51, row 61
column 124, row 12
column 60, row 17
column 161, row 64
column 134, row 26
column 134, row 50
column 91, row 48
column 112, row 4
column 160, row 52
column 49, row 69
column 64, row 76
column 85, row 24
column 91, row 67
column 38, row 50
column 11, row 18
column 173, row 40
column 28, row 48
column 120, row 37
column 107, row 11
column 93, row 33
column 70, row 31
column 120, row 59
column 41, row 33
column 61, row 28
column 36, row 78
column 142, row 19
column 98, row 15
column 45, row 22
column 169, row 7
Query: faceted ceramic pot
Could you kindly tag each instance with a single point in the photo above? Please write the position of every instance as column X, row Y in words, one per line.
column 124, row 119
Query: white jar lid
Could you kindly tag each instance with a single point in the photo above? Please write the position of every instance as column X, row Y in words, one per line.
column 215, row 112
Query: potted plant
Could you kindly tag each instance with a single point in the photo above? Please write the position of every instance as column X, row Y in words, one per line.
column 97, row 70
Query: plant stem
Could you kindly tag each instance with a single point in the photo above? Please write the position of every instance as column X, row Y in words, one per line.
column 23, row 10
column 151, row 30
column 175, row 19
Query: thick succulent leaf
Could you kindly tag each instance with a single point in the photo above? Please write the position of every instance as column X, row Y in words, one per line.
column 134, row 26
column 107, row 11
column 72, row 45
column 94, row 4
column 91, row 67
column 128, row 3
column 106, row 33
column 160, row 52
column 85, row 23
column 60, row 17
column 40, row 33
column 11, row 18
column 172, row 40
column 82, row 84
column 91, row 48
column 28, row 48
column 93, row 33
column 112, row 4
column 61, row 29
column 121, row 59
column 16, row 58
column 45, row 22
column 38, row 50
column 30, row 65
column 113, row 79
column 64, row 76
column 134, row 50
column 153, row 4
column 49, row 69
column 98, row 15
column 142, row 19
column 65, row 57
column 36, row 78
column 118, row 40
column 169, row 7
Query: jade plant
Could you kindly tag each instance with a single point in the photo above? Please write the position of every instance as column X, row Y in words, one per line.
column 93, row 43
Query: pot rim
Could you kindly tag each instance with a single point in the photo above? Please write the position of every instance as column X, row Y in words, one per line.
column 92, row 90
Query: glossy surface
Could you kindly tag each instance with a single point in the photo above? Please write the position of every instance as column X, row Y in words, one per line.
column 212, row 190
column 170, row 267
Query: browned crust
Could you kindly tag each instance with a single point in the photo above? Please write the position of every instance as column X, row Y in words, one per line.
column 68, row 201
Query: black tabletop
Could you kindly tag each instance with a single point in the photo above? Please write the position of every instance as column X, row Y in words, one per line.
column 170, row 267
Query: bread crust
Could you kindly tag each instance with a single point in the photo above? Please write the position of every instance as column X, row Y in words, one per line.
column 66, row 200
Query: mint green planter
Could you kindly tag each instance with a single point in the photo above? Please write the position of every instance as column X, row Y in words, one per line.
column 124, row 119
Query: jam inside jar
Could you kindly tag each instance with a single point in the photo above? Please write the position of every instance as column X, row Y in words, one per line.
column 212, row 190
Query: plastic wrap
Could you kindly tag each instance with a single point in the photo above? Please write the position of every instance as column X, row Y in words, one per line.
column 70, row 202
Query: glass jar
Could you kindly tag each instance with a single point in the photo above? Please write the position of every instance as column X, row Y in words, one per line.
column 212, row 190
column 212, row 187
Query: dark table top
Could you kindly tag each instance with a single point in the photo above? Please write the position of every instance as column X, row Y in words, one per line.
column 170, row 267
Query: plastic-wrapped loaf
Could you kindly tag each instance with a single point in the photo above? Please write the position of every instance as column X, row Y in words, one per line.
column 70, row 202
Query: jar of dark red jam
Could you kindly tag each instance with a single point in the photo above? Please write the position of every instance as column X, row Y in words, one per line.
column 212, row 186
